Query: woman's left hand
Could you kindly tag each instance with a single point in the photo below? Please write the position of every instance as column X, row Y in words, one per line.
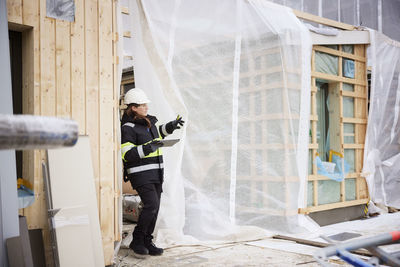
column 177, row 123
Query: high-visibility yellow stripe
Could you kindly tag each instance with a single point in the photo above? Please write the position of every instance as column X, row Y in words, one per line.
column 125, row 147
column 156, row 153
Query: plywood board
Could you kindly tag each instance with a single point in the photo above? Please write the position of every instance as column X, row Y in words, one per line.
column 74, row 238
column 72, row 185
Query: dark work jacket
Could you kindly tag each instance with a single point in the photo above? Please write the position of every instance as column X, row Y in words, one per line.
column 139, row 167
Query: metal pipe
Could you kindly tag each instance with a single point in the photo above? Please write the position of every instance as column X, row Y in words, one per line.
column 374, row 241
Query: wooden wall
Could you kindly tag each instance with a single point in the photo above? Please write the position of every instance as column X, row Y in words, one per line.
column 69, row 71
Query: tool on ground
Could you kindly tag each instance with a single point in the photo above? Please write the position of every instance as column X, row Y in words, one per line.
column 343, row 250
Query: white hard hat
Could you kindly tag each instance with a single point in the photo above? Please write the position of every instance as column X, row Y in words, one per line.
column 136, row 96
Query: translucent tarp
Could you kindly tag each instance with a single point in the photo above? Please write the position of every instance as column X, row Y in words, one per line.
column 382, row 144
column 239, row 74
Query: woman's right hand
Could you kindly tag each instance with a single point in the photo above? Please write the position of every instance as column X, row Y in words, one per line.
column 152, row 146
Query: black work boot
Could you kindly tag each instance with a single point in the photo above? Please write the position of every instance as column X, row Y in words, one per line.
column 137, row 245
column 139, row 251
column 153, row 250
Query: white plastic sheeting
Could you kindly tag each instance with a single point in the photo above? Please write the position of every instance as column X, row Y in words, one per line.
column 239, row 74
column 382, row 145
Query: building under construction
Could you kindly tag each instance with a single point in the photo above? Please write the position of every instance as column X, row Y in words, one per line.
column 291, row 110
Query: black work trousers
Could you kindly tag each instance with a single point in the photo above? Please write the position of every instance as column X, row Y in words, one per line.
column 150, row 195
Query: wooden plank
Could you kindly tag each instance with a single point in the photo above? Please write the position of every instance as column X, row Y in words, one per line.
column 92, row 85
column 333, row 206
column 335, row 78
column 363, row 190
column 353, row 146
column 31, row 57
column 334, row 116
column 313, row 146
column 14, row 11
column 354, row 120
column 317, row 177
column 323, row 21
column 47, row 63
column 338, row 53
column 63, row 69
column 354, row 94
column 43, row 104
column 106, row 205
column 31, row 89
column 78, row 85
column 117, row 158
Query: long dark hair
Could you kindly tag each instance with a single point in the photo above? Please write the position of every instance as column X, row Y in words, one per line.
column 136, row 116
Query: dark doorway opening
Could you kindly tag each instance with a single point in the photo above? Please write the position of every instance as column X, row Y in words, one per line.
column 15, row 39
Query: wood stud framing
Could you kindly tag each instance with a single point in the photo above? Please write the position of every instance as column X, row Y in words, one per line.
column 359, row 120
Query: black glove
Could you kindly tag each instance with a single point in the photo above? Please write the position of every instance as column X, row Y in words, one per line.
column 151, row 147
column 175, row 124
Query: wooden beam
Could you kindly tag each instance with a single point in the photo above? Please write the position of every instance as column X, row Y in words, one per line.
column 353, row 146
column 335, row 78
column 106, row 124
column 354, row 120
column 313, row 146
column 323, row 21
column 78, row 85
column 333, row 206
column 317, row 177
column 339, row 53
column 14, row 11
column 354, row 94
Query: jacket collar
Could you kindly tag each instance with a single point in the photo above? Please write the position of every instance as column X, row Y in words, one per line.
column 126, row 118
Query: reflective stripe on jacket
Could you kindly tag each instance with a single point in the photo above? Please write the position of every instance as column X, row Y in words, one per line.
column 140, row 168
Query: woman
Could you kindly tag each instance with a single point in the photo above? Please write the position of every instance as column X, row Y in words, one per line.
column 143, row 165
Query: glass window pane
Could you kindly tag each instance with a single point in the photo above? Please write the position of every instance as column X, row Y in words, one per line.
column 326, row 63
column 310, row 193
column 348, row 132
column 348, row 49
column 350, row 189
column 349, row 158
column 328, row 192
column 348, row 87
column 348, row 107
column 348, row 68
column 310, row 162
